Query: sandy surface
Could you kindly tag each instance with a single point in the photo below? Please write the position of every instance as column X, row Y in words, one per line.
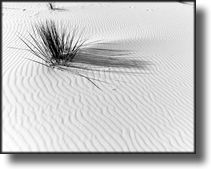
column 146, row 107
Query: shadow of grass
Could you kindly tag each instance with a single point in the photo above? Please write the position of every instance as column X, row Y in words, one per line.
column 109, row 57
column 102, row 56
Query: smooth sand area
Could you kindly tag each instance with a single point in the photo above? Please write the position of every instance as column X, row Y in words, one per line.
column 145, row 103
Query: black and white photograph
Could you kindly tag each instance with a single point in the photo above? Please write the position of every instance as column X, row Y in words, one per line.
column 98, row 77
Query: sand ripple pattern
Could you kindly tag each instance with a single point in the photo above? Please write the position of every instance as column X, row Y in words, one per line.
column 148, row 110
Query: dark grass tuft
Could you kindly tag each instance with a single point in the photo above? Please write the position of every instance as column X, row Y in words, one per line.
column 55, row 47
column 52, row 7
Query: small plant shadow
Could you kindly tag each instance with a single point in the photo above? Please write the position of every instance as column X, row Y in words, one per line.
column 105, row 55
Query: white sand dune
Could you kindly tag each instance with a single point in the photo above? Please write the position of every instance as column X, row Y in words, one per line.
column 146, row 107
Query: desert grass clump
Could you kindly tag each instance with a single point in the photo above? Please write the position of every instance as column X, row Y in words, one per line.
column 51, row 6
column 54, row 45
